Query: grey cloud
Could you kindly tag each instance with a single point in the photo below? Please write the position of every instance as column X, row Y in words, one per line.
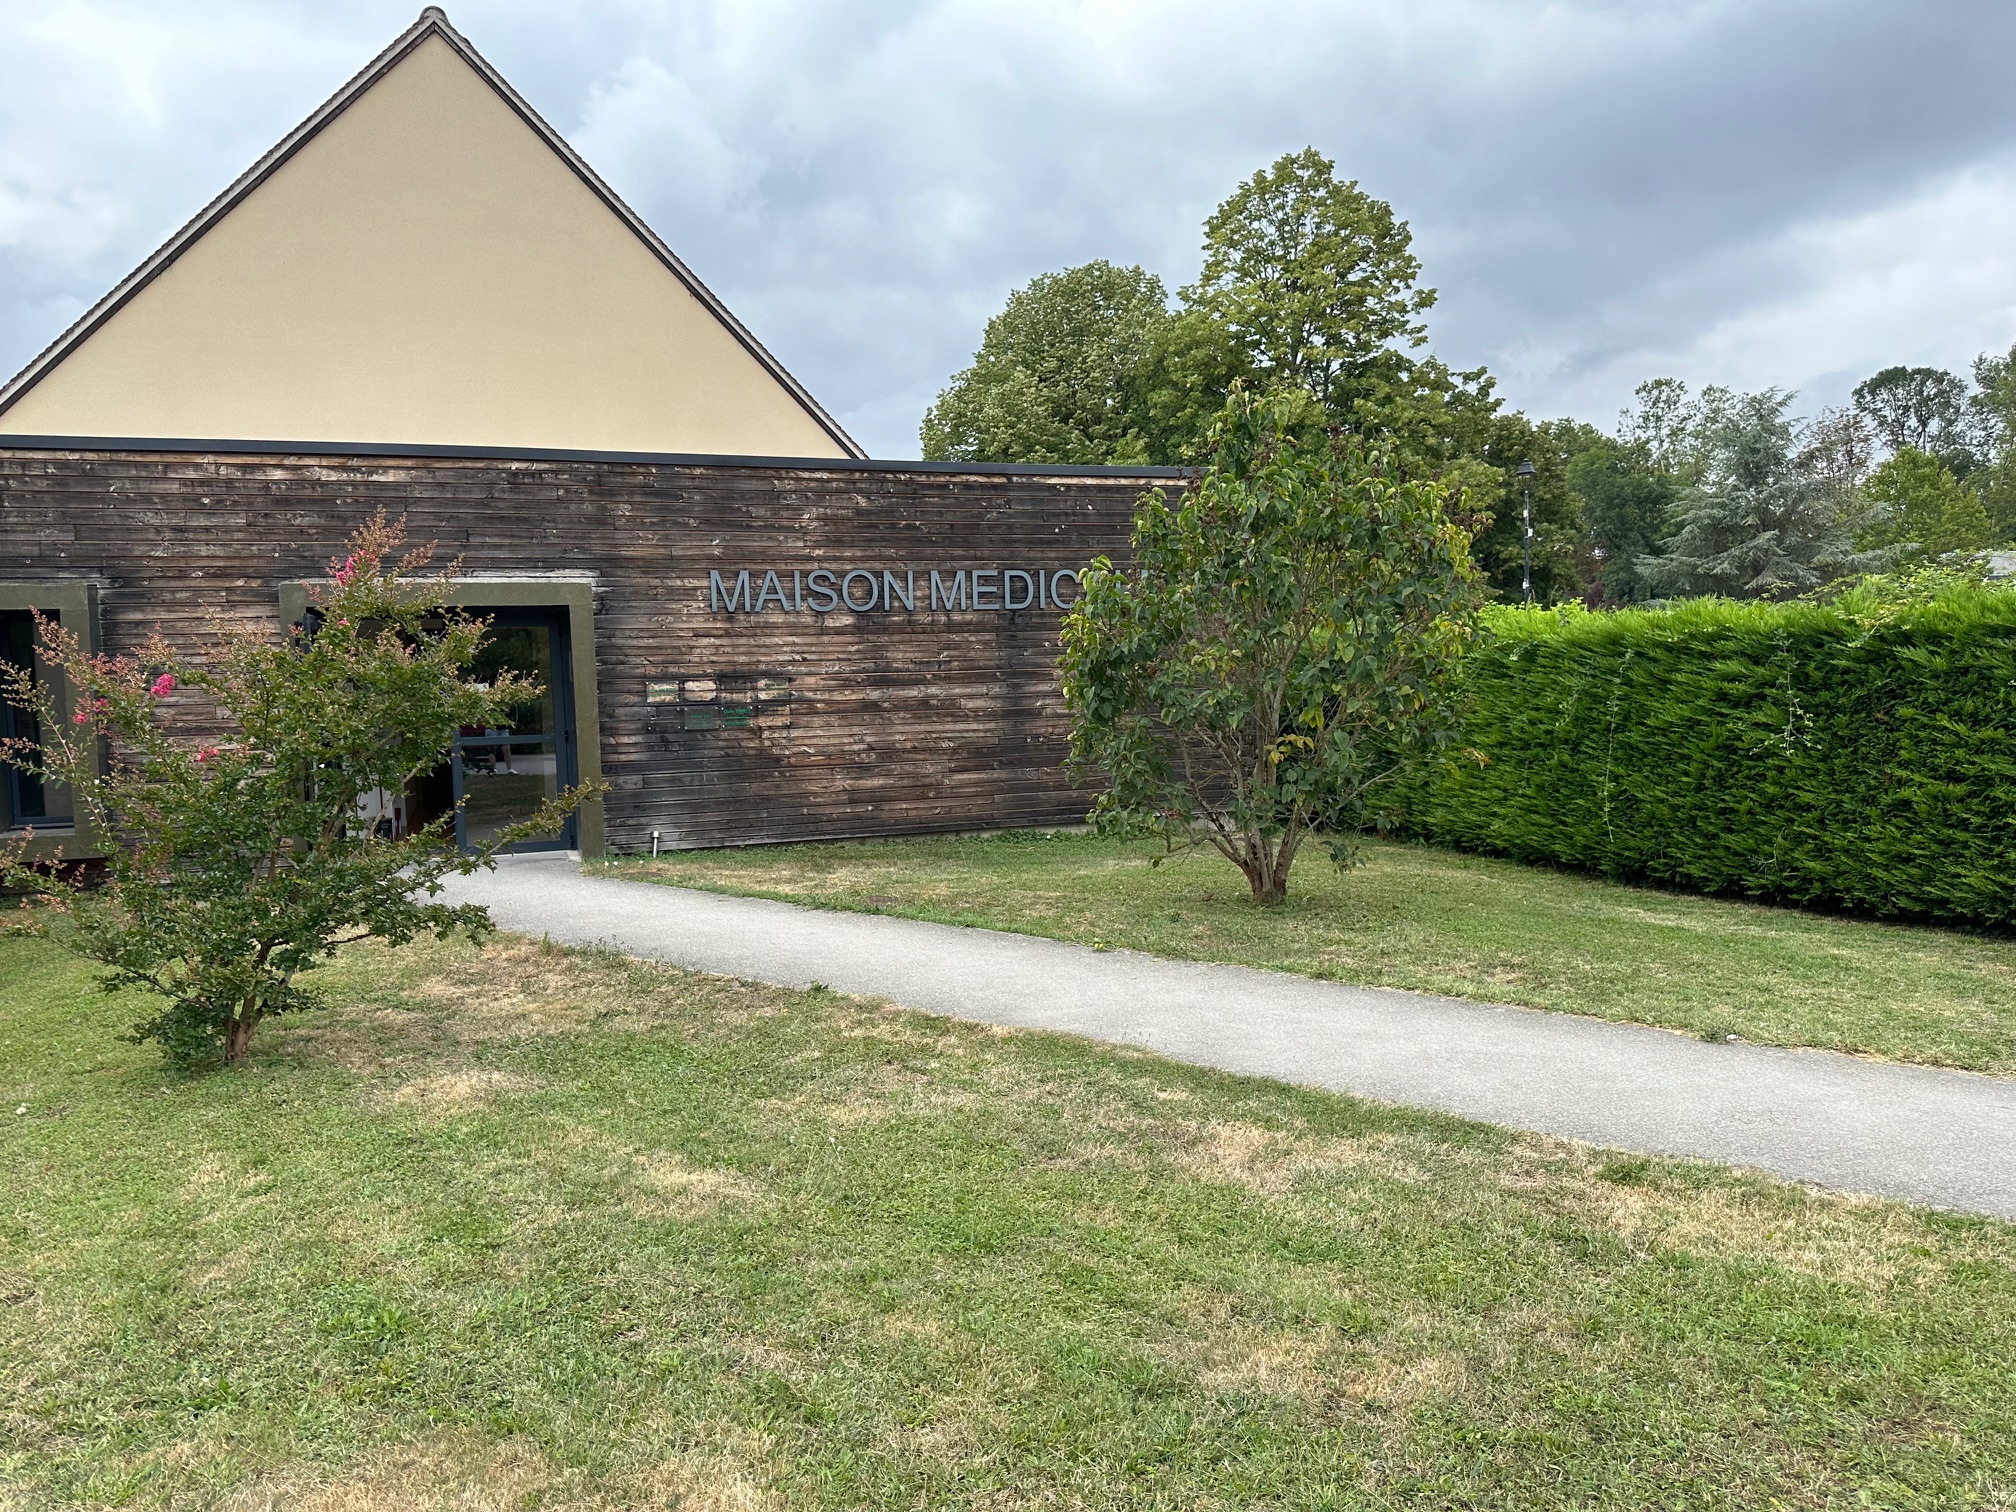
column 864, row 183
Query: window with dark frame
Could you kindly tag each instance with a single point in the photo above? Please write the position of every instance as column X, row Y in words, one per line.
column 25, row 801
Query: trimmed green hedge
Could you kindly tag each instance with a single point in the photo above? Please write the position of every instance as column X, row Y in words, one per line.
column 1857, row 755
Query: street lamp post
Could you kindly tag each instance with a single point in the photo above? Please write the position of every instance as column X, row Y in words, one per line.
column 1525, row 472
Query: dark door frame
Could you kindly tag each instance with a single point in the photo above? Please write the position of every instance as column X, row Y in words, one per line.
column 571, row 594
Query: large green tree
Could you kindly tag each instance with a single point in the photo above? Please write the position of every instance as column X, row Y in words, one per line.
column 1502, row 442
column 1678, row 450
column 1625, row 504
column 1921, row 409
column 1058, row 374
column 1758, row 521
column 1628, row 484
column 1920, row 508
column 1316, row 281
column 1283, row 641
column 1191, row 366
column 1308, row 285
column 1992, row 409
column 1992, row 405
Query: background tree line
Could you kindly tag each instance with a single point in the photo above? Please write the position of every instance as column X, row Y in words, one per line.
column 1310, row 289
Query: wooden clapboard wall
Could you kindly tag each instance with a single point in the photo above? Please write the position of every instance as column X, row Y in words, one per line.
column 876, row 723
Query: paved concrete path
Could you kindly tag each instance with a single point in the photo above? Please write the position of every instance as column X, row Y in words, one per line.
column 1945, row 1138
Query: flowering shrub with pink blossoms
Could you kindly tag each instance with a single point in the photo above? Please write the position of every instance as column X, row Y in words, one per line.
column 225, row 790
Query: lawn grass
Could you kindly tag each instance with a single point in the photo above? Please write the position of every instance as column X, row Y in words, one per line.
column 525, row 1227
column 1438, row 921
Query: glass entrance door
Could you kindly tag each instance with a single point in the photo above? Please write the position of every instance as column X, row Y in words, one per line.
column 502, row 773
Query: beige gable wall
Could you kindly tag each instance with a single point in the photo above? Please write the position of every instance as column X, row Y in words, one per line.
column 425, row 269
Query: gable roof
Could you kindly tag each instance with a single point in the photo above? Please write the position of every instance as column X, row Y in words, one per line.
column 431, row 25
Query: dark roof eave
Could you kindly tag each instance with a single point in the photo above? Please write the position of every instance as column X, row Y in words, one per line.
column 185, row 446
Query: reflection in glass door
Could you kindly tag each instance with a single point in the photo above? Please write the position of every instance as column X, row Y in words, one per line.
column 503, row 773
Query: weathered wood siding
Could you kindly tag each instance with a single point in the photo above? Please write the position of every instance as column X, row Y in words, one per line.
column 895, row 722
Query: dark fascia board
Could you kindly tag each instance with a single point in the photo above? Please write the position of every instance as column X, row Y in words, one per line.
column 432, row 23
column 559, row 454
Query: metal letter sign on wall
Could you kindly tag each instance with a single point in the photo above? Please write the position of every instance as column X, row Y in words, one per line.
column 863, row 590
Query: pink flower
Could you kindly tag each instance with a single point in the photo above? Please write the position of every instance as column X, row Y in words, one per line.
column 346, row 572
column 205, row 754
column 163, row 685
column 83, row 716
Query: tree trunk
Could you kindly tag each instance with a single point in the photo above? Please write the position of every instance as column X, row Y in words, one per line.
column 1266, row 868
column 238, row 1035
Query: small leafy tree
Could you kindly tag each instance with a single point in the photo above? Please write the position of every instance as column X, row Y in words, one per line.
column 1664, row 423
column 1838, row 446
column 240, row 794
column 1283, row 642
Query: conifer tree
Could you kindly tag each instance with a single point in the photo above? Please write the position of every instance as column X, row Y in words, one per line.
column 1757, row 523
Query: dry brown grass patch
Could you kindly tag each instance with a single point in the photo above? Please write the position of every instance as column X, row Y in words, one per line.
column 210, row 1171
column 709, row 1482
column 518, row 987
column 1403, row 1381
column 216, row 1186
column 1295, row 1364
column 677, row 1190
column 444, row 1474
column 1858, row 1241
column 1272, row 1161
column 870, row 1018
column 458, row 1473
column 1314, row 1363
column 363, row 1041
column 435, row 1000
column 915, row 1325
column 661, row 1183
column 468, row 1090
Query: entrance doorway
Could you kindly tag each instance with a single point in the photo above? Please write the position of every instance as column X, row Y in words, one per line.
column 499, row 775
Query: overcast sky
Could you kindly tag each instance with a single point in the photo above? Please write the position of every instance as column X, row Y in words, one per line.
column 1751, row 192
